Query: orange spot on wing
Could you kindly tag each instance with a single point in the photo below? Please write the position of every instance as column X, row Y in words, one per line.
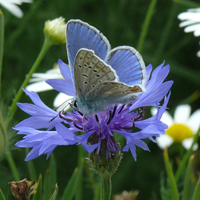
column 98, row 66
column 133, row 89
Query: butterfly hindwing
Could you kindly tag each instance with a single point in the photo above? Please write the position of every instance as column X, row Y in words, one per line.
column 128, row 64
column 114, row 92
column 89, row 71
column 81, row 35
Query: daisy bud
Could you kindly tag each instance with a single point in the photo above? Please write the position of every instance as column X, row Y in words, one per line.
column 55, row 31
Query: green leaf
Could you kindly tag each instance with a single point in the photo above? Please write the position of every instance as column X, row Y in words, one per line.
column 1, row 195
column 72, row 185
column 188, row 185
column 196, row 194
column 46, row 186
column 146, row 24
column 38, row 194
column 31, row 168
column 55, row 193
column 50, row 179
column 52, row 174
column 174, row 189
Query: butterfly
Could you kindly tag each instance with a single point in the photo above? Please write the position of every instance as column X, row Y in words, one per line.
column 101, row 76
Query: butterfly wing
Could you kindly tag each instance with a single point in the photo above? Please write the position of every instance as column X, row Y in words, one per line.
column 107, row 93
column 128, row 64
column 82, row 35
column 97, row 85
column 89, row 71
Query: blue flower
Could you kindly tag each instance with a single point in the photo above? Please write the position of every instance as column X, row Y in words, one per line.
column 46, row 128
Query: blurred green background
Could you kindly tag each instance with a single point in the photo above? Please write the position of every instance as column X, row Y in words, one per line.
column 121, row 21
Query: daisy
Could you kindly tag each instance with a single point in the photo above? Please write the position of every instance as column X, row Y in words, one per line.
column 11, row 5
column 38, row 84
column 191, row 22
column 181, row 129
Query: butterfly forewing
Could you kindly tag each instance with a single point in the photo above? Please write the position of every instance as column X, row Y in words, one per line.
column 89, row 71
column 82, row 35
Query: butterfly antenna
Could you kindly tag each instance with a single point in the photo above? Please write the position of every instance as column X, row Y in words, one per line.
column 53, row 118
column 63, row 103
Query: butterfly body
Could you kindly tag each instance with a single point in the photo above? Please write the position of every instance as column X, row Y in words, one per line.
column 102, row 79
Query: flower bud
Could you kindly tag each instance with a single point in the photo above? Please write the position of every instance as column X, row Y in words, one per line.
column 105, row 163
column 55, row 31
column 23, row 189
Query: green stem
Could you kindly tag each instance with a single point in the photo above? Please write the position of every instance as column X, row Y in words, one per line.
column 47, row 44
column 146, row 24
column 185, row 158
column 12, row 165
column 105, row 188
column 1, row 44
column 78, row 195
column 165, row 33
column 174, row 189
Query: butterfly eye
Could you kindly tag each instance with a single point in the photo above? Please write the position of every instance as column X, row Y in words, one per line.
column 75, row 104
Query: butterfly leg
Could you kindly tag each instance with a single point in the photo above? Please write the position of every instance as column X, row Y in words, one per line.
column 96, row 120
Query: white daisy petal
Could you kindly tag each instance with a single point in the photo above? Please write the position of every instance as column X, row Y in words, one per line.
column 189, row 16
column 166, row 117
column 39, row 87
column 43, row 77
column 194, row 10
column 197, row 32
column 182, row 113
column 198, row 53
column 15, row 10
column 192, row 28
column 153, row 111
column 194, row 121
column 11, row 5
column 62, row 101
column 164, row 141
column 188, row 22
column 188, row 142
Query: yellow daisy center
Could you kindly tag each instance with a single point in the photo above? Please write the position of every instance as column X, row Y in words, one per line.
column 179, row 132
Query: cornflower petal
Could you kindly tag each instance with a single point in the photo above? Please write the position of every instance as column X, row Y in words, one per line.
column 63, row 86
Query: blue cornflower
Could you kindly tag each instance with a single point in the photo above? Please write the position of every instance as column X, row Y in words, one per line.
column 121, row 119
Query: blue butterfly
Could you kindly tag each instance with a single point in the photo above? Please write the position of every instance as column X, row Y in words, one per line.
column 101, row 76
